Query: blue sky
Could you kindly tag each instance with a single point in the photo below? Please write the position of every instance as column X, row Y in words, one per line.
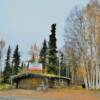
column 26, row 22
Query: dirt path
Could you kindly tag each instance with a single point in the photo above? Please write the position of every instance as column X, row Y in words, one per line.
column 58, row 94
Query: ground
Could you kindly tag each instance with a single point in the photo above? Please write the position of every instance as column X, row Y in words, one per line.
column 57, row 94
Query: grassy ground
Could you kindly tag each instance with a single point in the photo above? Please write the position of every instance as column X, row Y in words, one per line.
column 5, row 86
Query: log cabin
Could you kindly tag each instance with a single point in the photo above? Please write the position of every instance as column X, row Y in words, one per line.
column 39, row 81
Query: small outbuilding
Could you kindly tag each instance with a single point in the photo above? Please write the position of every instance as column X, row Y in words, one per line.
column 36, row 81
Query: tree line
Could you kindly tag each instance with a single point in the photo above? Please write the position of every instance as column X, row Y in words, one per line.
column 48, row 53
column 12, row 66
column 47, row 56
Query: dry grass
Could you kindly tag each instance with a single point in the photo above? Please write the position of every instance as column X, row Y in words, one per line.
column 5, row 86
column 59, row 94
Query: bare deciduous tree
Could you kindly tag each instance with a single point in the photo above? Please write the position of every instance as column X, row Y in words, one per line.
column 82, row 35
column 34, row 53
column 2, row 45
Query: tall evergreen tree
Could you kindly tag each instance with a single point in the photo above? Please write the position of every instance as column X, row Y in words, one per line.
column 7, row 70
column 16, row 60
column 52, row 46
column 22, row 67
column 52, row 51
column 43, row 54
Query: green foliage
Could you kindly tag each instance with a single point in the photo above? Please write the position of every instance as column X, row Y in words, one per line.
column 16, row 61
column 52, row 56
column 53, row 69
column 22, row 67
column 43, row 54
column 7, row 70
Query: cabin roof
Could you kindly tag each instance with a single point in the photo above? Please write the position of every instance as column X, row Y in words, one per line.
column 36, row 75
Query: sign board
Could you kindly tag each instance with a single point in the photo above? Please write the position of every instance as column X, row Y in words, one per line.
column 35, row 67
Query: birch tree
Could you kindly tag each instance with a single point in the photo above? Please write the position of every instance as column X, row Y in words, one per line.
column 34, row 53
column 92, row 17
column 82, row 34
column 74, row 38
column 2, row 45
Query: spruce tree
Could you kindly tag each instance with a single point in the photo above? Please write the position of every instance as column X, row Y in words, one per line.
column 7, row 69
column 16, row 61
column 21, row 67
column 52, row 46
column 43, row 54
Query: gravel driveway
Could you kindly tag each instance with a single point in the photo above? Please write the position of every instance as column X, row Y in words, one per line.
column 57, row 94
column 22, row 98
column 16, row 98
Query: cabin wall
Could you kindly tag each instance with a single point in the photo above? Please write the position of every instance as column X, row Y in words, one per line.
column 54, row 83
column 64, row 83
column 34, row 83
column 30, row 83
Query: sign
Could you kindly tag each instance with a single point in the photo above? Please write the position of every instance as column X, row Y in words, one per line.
column 35, row 67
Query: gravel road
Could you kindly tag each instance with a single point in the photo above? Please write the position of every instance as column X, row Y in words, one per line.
column 22, row 98
column 16, row 98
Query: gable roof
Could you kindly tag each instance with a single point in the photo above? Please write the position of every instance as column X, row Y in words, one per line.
column 36, row 75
